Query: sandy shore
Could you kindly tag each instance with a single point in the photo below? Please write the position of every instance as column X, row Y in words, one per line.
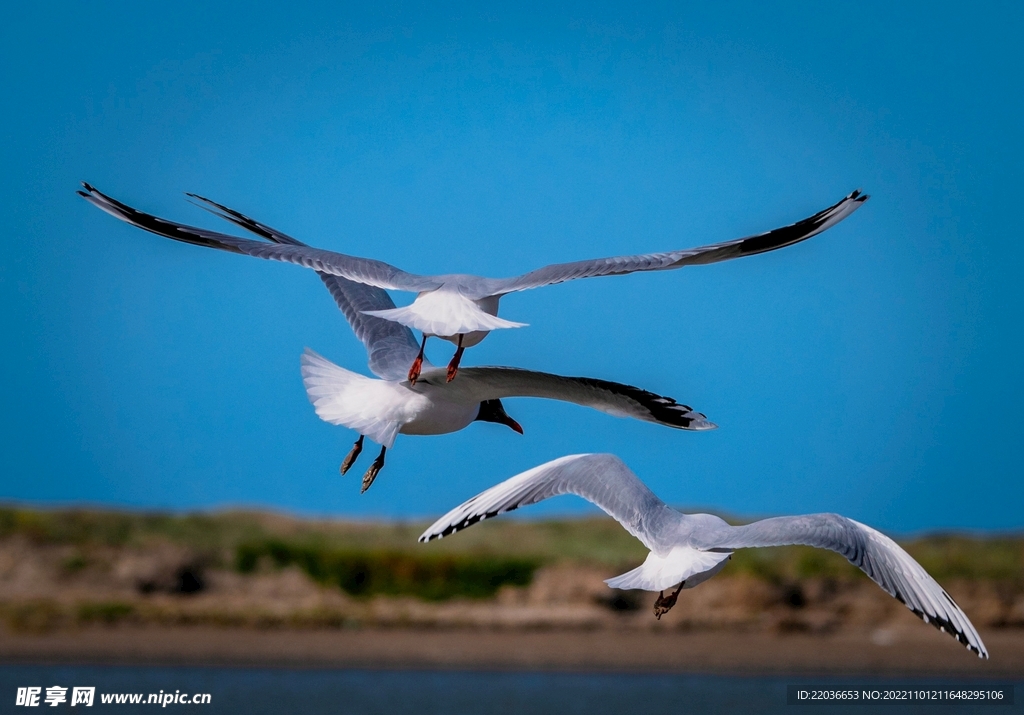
column 902, row 652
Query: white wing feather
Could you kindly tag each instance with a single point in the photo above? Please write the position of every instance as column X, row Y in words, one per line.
column 602, row 479
column 874, row 553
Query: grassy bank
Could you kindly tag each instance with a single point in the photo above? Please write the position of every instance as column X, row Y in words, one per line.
column 367, row 558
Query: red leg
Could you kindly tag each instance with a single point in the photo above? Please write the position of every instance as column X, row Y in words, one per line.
column 453, row 366
column 417, row 364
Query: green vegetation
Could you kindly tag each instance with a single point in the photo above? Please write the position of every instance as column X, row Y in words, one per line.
column 85, row 527
column 104, row 612
column 361, row 573
column 945, row 557
column 364, row 558
column 37, row 616
column 964, row 557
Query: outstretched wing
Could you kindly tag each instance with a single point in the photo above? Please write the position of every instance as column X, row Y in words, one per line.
column 478, row 384
column 599, row 478
column 620, row 265
column 361, row 270
column 390, row 346
column 875, row 554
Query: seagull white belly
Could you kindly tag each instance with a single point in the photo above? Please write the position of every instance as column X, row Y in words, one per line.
column 441, row 418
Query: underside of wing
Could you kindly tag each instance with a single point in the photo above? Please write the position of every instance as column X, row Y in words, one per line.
column 602, row 479
column 737, row 248
column 390, row 347
column 362, row 270
column 488, row 383
column 881, row 558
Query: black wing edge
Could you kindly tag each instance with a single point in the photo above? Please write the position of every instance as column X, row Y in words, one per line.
column 944, row 625
column 154, row 224
column 243, row 221
column 663, row 410
column 465, row 524
column 797, row 232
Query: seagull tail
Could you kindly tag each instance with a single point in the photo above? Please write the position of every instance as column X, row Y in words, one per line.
column 348, row 399
column 681, row 564
column 445, row 315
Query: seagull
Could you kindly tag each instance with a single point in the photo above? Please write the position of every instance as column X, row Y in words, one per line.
column 461, row 308
column 688, row 549
column 383, row 408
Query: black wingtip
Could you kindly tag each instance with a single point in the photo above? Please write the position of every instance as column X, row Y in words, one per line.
column 205, row 200
column 88, row 187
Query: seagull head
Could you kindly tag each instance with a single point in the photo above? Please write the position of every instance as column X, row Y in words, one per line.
column 494, row 411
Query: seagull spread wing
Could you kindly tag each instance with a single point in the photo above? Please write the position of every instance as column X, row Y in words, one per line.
column 607, row 482
column 478, row 384
column 875, row 554
column 599, row 478
column 620, row 265
column 362, row 270
column 390, row 346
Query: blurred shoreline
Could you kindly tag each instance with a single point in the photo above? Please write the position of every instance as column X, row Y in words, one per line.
column 252, row 588
column 914, row 652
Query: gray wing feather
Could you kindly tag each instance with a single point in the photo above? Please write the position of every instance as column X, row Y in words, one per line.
column 362, row 270
column 602, row 479
column 390, row 346
column 881, row 558
column 477, row 384
column 620, row 265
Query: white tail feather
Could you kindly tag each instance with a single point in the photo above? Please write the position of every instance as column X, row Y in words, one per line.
column 682, row 563
column 444, row 314
column 340, row 396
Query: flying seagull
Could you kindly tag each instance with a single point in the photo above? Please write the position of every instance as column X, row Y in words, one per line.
column 462, row 308
column 383, row 408
column 688, row 549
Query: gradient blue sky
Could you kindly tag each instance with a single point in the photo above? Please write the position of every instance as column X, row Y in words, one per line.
column 874, row 370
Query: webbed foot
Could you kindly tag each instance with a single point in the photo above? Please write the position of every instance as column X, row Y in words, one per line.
column 663, row 604
column 352, row 456
column 417, row 364
column 374, row 470
column 453, row 366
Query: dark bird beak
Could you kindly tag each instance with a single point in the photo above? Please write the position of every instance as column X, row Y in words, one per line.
column 494, row 411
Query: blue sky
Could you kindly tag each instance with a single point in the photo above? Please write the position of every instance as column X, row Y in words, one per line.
column 873, row 371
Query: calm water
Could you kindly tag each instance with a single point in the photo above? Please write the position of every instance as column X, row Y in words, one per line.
column 256, row 691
